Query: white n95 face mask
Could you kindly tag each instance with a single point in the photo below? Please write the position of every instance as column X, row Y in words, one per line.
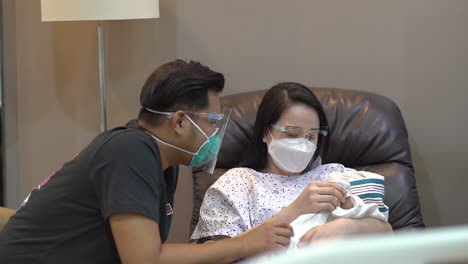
column 291, row 154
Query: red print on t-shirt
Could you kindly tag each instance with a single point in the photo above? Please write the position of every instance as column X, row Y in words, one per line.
column 169, row 209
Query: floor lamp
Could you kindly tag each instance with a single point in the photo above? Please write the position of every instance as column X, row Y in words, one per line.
column 99, row 10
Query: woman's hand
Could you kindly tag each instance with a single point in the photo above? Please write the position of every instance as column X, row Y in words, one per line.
column 319, row 196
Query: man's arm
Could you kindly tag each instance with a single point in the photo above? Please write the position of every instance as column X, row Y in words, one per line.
column 138, row 241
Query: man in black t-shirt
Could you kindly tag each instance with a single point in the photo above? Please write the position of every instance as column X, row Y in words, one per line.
column 113, row 202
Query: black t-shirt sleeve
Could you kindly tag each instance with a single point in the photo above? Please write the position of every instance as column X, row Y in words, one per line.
column 127, row 176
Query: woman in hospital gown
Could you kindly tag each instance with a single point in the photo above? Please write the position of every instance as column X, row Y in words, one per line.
column 286, row 179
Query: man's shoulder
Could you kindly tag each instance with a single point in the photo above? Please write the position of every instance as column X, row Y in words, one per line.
column 128, row 135
column 125, row 142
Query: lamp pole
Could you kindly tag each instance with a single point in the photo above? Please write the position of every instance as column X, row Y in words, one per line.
column 102, row 75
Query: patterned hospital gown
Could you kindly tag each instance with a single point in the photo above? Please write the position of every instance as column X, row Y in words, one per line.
column 243, row 198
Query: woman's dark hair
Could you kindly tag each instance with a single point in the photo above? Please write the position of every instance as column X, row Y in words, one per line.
column 178, row 85
column 276, row 100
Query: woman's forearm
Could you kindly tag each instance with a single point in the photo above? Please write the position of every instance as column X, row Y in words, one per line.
column 287, row 214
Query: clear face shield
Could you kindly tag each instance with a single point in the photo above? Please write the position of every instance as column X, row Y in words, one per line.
column 207, row 154
column 219, row 123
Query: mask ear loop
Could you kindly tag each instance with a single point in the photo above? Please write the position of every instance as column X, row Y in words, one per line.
column 203, row 133
column 268, row 145
column 169, row 115
column 271, row 135
column 272, row 138
column 170, row 145
column 199, row 129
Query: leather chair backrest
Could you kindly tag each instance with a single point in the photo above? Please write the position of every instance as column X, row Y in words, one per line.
column 366, row 132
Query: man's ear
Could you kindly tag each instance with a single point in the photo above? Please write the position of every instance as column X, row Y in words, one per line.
column 179, row 123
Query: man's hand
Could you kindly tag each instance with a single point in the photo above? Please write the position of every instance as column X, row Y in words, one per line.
column 265, row 237
column 344, row 227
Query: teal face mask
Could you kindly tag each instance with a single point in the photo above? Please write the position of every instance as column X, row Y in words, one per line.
column 205, row 153
column 208, row 151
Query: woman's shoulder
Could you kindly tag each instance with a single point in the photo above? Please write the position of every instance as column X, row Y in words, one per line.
column 237, row 170
column 239, row 174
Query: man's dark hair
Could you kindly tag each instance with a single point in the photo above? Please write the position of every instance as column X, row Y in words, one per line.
column 178, row 85
column 277, row 100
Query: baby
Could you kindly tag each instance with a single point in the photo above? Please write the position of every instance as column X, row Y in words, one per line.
column 365, row 192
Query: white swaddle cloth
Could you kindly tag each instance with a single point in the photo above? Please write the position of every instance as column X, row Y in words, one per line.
column 366, row 191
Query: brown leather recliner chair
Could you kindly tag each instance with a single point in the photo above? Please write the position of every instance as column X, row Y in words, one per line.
column 367, row 132
column 5, row 214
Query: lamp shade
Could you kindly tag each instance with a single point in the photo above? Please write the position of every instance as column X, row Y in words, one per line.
column 69, row 10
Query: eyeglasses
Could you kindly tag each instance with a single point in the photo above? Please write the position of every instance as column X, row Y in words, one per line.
column 216, row 117
column 299, row 132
